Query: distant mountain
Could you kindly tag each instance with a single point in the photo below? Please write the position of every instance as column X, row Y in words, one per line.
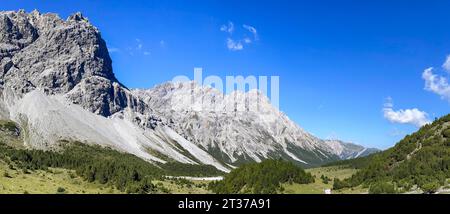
column 349, row 150
column 57, row 83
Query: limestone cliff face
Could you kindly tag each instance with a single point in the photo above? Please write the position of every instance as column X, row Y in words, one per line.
column 60, row 57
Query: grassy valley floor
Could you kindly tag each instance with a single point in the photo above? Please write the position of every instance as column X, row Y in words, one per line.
column 319, row 186
column 51, row 181
column 63, row 181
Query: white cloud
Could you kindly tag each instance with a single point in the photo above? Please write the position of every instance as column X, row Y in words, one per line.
column 436, row 84
column 446, row 64
column 138, row 48
column 234, row 45
column 139, row 44
column 404, row 116
column 162, row 43
column 227, row 28
column 247, row 40
column 252, row 30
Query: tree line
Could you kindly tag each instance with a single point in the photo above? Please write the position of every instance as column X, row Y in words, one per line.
column 420, row 160
column 94, row 163
column 266, row 177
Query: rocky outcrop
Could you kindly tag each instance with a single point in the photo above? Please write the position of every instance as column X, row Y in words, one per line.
column 57, row 83
column 61, row 57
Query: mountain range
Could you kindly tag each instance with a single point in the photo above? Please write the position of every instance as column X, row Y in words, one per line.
column 57, row 83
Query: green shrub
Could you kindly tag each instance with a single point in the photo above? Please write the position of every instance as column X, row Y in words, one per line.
column 430, row 187
column 6, row 175
column 446, row 133
column 325, row 179
column 382, row 188
column 340, row 184
column 60, row 190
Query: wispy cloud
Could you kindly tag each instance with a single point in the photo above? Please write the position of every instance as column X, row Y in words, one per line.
column 404, row 116
column 247, row 40
column 138, row 48
column 234, row 45
column 162, row 43
column 446, row 64
column 436, row 84
column 239, row 44
column 139, row 44
column 229, row 28
column 252, row 30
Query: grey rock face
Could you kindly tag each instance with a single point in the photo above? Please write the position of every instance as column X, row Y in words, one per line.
column 201, row 116
column 62, row 57
column 47, row 65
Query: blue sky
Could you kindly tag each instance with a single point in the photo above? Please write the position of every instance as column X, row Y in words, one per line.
column 346, row 69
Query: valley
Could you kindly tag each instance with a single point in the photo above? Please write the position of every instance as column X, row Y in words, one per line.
column 320, row 185
column 50, row 181
column 63, row 181
column 25, row 171
column 69, row 126
column 77, row 168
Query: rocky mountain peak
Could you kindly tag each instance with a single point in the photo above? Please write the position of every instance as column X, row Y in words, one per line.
column 78, row 16
column 191, row 96
column 60, row 57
